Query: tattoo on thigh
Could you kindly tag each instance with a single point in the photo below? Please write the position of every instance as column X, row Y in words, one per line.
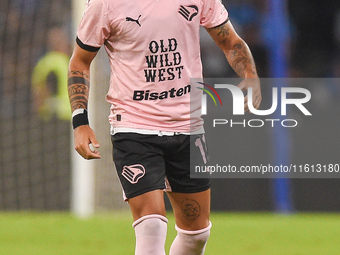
column 191, row 209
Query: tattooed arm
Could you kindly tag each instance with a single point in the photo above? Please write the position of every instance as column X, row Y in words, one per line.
column 78, row 89
column 240, row 59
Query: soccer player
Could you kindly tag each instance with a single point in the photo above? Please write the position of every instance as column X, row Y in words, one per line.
column 153, row 48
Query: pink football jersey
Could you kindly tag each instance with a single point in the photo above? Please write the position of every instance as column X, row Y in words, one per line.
column 153, row 48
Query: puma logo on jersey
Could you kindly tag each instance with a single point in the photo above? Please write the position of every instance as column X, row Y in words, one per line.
column 134, row 20
column 188, row 12
column 133, row 173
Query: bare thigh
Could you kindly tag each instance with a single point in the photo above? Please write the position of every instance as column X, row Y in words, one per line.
column 148, row 203
column 191, row 210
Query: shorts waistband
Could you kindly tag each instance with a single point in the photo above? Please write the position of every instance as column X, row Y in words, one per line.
column 115, row 130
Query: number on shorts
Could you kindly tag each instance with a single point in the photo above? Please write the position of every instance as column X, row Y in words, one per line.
column 203, row 148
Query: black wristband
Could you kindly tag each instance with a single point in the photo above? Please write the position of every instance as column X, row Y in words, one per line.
column 80, row 119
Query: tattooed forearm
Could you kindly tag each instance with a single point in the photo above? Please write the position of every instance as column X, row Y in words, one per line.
column 241, row 60
column 235, row 49
column 191, row 209
column 78, row 73
column 78, row 90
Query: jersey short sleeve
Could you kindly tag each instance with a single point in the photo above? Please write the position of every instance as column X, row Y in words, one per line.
column 213, row 13
column 94, row 27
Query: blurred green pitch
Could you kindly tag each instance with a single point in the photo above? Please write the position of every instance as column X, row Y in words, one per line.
column 112, row 234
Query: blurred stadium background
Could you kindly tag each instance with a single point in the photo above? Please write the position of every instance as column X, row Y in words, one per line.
column 36, row 156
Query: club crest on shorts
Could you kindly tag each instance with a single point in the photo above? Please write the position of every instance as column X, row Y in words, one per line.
column 133, row 173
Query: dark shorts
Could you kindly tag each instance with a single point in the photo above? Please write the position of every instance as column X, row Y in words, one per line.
column 150, row 162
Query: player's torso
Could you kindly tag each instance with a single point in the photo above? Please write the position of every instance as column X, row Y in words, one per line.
column 154, row 51
column 156, row 38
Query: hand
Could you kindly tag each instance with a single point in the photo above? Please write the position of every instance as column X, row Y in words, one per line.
column 83, row 137
column 253, row 83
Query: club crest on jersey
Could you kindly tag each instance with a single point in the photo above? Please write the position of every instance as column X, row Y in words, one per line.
column 133, row 173
column 188, row 12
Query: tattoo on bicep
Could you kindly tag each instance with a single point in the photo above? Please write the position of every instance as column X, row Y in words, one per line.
column 191, row 209
column 221, row 30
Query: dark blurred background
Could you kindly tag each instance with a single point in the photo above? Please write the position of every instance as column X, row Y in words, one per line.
column 313, row 37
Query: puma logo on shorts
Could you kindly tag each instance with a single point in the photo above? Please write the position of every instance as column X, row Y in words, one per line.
column 133, row 173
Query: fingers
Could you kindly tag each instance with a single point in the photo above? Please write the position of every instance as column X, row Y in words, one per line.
column 83, row 138
column 85, row 151
column 246, row 108
column 242, row 86
column 256, row 101
column 94, row 154
column 256, row 93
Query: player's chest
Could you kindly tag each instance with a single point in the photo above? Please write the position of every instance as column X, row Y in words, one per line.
column 142, row 18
